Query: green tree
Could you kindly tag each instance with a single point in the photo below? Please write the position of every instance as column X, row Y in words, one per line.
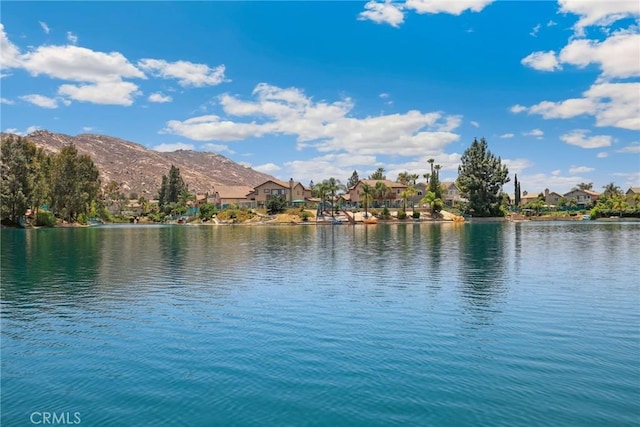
column 276, row 204
column 173, row 193
column 404, row 178
column 15, row 186
column 320, row 191
column 206, row 211
column 367, row 196
column 353, row 180
column 409, row 192
column 585, row 185
column 332, row 186
column 435, row 203
column 481, row 176
column 381, row 191
column 611, row 190
column 517, row 194
column 74, row 183
column 378, row 175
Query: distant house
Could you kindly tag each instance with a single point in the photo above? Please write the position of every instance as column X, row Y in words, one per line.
column 392, row 199
column 551, row 197
column 225, row 195
column 631, row 194
column 527, row 198
column 582, row 197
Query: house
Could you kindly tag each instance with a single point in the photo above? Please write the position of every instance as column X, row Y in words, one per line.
column 275, row 188
column 582, row 197
column 633, row 194
column 393, row 197
column 225, row 195
column 551, row 197
column 451, row 193
column 527, row 198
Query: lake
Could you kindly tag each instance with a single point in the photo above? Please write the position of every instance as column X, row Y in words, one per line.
column 503, row 324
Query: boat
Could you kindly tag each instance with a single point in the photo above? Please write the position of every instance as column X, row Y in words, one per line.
column 336, row 221
column 371, row 221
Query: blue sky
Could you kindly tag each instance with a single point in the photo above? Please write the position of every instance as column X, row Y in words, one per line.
column 311, row 90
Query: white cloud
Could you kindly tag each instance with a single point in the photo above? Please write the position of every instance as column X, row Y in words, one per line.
column 45, row 27
column 618, row 56
column 6, row 101
column 580, row 169
column 474, row 124
column 218, row 148
column 110, row 93
column 534, row 132
column 29, row 130
column 612, row 104
column 634, row 148
column 556, row 172
column 174, row 146
column 555, row 181
column 507, row 135
column 159, row 97
column 602, row 155
column 87, row 128
column 384, row 95
column 9, row 53
column 551, row 23
column 268, row 168
column 187, row 73
column 387, row 12
column 79, row 64
column 542, row 61
column 40, row 101
column 632, row 179
column 598, row 12
column 72, row 38
column 518, row 108
column 534, row 31
column 327, row 127
column 517, row 165
column 456, row 7
column 579, row 138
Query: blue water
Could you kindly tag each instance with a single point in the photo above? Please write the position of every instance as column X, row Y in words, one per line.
column 418, row 324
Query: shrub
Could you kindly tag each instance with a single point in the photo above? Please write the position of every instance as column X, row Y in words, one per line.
column 45, row 219
column 386, row 214
column 415, row 215
column 402, row 214
column 305, row 215
column 82, row 219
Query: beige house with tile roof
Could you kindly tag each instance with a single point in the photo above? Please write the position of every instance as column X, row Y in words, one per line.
column 583, row 197
column 393, row 198
column 275, row 188
column 224, row 195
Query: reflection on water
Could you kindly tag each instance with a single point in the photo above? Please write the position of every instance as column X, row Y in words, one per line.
column 412, row 324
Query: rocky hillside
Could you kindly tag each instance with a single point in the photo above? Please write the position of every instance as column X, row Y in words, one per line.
column 139, row 170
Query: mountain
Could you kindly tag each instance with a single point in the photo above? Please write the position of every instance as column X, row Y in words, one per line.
column 139, row 170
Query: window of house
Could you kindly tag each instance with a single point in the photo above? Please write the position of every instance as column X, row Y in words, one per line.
column 267, row 191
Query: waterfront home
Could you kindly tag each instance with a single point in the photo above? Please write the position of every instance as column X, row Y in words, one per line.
column 392, row 198
column 551, row 198
column 582, row 197
column 225, row 195
column 631, row 194
column 291, row 191
column 450, row 193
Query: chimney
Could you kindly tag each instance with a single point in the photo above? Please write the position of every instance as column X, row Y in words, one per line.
column 290, row 190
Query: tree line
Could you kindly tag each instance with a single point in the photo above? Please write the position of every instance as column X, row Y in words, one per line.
column 66, row 182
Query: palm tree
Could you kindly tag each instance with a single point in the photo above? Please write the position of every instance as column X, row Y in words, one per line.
column 404, row 178
column 381, row 189
column 435, row 203
column 619, row 203
column 611, row 189
column 320, row 191
column 367, row 196
column 409, row 192
column 333, row 185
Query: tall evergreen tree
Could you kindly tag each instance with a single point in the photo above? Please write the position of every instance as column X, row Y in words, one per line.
column 481, row 176
column 353, row 180
column 517, row 195
column 378, row 175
